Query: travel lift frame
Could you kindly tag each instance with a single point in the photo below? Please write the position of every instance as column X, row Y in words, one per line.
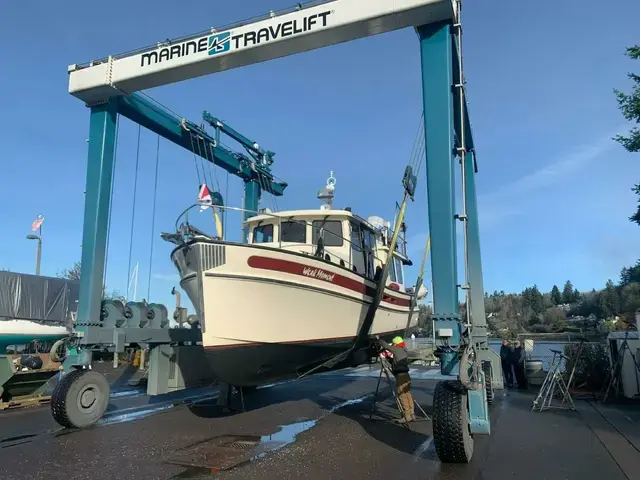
column 107, row 87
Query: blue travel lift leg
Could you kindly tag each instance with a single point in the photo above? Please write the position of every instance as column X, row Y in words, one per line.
column 460, row 406
column 88, row 388
column 251, row 202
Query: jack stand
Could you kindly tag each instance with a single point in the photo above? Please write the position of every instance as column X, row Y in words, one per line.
column 386, row 369
column 554, row 381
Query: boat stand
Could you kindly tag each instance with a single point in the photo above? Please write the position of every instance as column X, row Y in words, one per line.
column 554, row 383
column 385, row 369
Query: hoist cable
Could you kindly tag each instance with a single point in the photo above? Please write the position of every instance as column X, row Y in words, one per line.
column 224, row 212
column 153, row 217
column 199, row 155
column 212, row 166
column 113, row 178
column 195, row 160
column 133, row 211
column 204, row 159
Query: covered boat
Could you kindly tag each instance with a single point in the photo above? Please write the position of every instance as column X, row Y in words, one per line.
column 35, row 308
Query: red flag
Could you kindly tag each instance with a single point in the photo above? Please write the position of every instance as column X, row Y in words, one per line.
column 204, row 197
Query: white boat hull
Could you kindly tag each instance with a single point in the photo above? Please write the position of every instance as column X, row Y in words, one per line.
column 19, row 332
column 268, row 313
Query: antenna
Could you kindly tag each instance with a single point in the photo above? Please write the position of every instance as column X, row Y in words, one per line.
column 327, row 193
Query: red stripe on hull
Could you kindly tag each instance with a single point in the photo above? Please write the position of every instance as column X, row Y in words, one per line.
column 295, row 268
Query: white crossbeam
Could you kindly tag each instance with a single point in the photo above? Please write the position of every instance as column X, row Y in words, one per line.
column 302, row 30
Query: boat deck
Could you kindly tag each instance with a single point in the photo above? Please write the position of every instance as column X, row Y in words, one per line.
column 318, row 427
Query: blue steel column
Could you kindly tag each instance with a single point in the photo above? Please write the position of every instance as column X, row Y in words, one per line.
column 479, row 330
column 97, row 203
column 437, row 74
column 251, row 202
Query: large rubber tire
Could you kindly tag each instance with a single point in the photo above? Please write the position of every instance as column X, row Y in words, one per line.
column 488, row 377
column 80, row 399
column 451, row 435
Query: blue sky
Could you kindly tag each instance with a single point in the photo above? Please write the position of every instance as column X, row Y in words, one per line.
column 554, row 190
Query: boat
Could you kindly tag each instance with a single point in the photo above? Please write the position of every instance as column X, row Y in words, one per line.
column 35, row 308
column 22, row 332
column 294, row 295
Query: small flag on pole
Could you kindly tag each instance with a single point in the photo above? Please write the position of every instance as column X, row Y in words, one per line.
column 204, row 197
column 37, row 223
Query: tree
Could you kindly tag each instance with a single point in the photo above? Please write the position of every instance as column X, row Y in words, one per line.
column 555, row 319
column 629, row 105
column 630, row 275
column 425, row 321
column 72, row 273
column 556, row 298
column 568, row 295
column 532, row 299
column 610, row 300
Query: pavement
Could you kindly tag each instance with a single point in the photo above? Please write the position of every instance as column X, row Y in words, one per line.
column 317, row 427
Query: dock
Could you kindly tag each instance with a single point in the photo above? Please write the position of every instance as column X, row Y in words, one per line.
column 317, row 427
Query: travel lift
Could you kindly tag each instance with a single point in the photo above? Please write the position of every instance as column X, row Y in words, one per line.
column 108, row 87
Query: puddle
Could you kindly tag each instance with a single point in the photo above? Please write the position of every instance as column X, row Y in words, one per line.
column 289, row 432
column 136, row 413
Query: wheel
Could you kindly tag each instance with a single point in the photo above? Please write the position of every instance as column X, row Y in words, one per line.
column 488, row 376
column 451, row 435
column 80, row 399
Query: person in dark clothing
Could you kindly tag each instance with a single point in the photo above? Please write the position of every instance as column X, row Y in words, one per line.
column 518, row 356
column 505, row 359
column 398, row 356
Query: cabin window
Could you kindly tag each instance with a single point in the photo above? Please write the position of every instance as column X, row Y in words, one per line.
column 368, row 241
column 355, row 236
column 392, row 272
column 399, row 274
column 263, row 234
column 331, row 235
column 294, row 232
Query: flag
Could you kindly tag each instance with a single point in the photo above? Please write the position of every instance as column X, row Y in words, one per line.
column 37, row 223
column 204, row 197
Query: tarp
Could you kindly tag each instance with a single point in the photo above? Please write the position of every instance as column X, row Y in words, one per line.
column 37, row 298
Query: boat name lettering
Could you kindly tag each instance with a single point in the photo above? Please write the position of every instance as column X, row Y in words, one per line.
column 226, row 42
column 317, row 273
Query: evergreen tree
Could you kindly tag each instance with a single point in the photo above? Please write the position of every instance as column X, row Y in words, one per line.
column 610, row 300
column 630, row 275
column 567, row 292
column 556, row 298
column 629, row 105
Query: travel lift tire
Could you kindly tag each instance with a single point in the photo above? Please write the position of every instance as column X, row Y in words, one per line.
column 80, row 399
column 451, row 434
column 488, row 376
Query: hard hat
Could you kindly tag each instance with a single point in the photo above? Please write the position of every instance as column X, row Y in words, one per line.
column 397, row 340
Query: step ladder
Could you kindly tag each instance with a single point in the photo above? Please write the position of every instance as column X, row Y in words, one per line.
column 554, row 385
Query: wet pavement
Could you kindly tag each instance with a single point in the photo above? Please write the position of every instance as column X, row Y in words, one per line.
column 318, row 427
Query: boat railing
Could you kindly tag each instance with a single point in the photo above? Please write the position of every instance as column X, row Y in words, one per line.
column 280, row 218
